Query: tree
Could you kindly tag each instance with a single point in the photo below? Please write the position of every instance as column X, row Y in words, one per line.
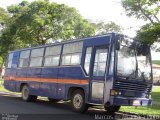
column 104, row 28
column 143, row 9
column 3, row 17
column 149, row 33
column 147, row 10
column 41, row 22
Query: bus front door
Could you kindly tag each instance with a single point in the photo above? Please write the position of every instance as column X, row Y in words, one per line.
column 97, row 73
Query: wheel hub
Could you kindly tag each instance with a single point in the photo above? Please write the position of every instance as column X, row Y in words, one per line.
column 25, row 93
column 77, row 101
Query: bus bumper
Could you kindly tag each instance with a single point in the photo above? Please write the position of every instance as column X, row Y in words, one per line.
column 121, row 101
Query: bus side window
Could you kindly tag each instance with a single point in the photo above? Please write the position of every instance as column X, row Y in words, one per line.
column 10, row 57
column 36, row 57
column 24, row 58
column 52, row 55
column 72, row 53
column 87, row 59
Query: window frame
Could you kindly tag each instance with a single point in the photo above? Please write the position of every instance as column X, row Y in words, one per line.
column 11, row 60
column 87, row 73
column 106, row 62
column 37, row 57
column 112, row 60
column 23, row 58
column 44, row 57
column 117, row 57
column 71, row 54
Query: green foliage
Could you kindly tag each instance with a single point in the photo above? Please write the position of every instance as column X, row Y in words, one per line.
column 41, row 22
column 3, row 16
column 149, row 33
column 3, row 20
column 1, row 62
column 148, row 10
column 142, row 9
column 103, row 28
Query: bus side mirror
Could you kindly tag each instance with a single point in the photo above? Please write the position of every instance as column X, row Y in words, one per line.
column 117, row 45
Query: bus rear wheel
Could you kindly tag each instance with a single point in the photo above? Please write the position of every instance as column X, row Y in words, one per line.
column 53, row 100
column 112, row 109
column 26, row 94
column 78, row 101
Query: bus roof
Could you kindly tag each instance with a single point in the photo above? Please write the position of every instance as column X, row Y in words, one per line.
column 63, row 42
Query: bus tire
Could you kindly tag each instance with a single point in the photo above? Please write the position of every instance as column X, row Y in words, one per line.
column 53, row 100
column 112, row 109
column 78, row 101
column 26, row 94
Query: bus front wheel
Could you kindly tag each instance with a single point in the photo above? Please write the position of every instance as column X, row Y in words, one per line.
column 78, row 101
column 112, row 109
column 26, row 94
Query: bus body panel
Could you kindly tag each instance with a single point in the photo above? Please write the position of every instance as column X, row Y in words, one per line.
column 57, row 81
column 51, row 82
column 97, row 41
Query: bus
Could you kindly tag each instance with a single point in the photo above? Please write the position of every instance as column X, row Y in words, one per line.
column 112, row 70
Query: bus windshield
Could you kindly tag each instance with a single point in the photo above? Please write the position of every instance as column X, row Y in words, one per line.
column 133, row 64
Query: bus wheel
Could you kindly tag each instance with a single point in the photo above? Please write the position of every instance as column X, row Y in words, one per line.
column 78, row 101
column 53, row 100
column 26, row 94
column 112, row 109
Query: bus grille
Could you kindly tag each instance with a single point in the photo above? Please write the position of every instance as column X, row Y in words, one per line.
column 125, row 85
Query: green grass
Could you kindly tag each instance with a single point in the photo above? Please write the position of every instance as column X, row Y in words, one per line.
column 1, row 81
column 1, row 86
column 156, row 93
column 152, row 110
column 156, row 62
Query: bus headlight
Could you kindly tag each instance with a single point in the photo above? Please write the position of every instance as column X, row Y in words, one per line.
column 113, row 92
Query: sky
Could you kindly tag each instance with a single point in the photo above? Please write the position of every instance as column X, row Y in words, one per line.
column 96, row 10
